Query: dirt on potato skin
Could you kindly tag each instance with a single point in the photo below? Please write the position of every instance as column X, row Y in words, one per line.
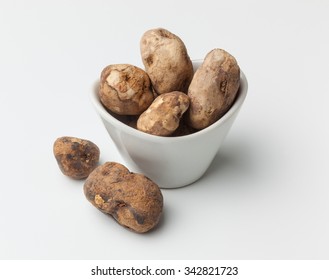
column 76, row 157
column 163, row 116
column 125, row 89
column 166, row 61
column 132, row 199
column 213, row 88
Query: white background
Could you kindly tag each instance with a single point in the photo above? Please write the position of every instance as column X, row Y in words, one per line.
column 266, row 194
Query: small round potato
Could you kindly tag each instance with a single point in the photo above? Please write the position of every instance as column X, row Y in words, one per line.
column 163, row 116
column 125, row 89
column 132, row 199
column 166, row 61
column 76, row 157
column 213, row 88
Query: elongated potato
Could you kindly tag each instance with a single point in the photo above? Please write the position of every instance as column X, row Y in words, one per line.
column 132, row 199
column 163, row 116
column 166, row 61
column 213, row 88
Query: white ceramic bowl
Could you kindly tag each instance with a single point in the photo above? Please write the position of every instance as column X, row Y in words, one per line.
column 171, row 162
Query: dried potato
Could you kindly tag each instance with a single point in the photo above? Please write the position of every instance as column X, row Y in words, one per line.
column 213, row 88
column 166, row 61
column 125, row 89
column 132, row 199
column 162, row 118
column 76, row 157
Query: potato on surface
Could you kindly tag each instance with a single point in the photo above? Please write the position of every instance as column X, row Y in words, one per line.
column 76, row 157
column 132, row 199
column 163, row 116
column 125, row 89
column 213, row 88
column 166, row 61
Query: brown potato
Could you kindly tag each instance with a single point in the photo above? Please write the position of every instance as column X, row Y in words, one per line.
column 125, row 89
column 166, row 61
column 163, row 116
column 213, row 88
column 132, row 199
column 76, row 157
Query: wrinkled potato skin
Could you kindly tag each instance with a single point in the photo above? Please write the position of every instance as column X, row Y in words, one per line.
column 163, row 116
column 132, row 199
column 76, row 157
column 125, row 89
column 213, row 88
column 166, row 61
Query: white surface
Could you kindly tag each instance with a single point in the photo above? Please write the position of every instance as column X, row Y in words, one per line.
column 266, row 194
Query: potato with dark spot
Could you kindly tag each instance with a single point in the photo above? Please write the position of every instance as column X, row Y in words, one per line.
column 76, row 157
column 213, row 88
column 166, row 61
column 125, row 89
column 132, row 199
column 163, row 116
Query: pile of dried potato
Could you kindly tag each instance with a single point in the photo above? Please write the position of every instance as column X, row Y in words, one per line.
column 168, row 98
column 165, row 99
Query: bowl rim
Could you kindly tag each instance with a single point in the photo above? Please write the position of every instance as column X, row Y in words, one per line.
column 241, row 95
